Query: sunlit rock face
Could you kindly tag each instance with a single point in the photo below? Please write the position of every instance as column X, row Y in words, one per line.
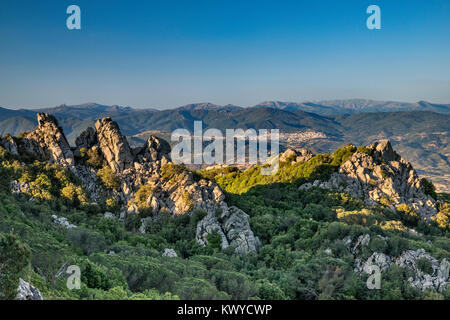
column 149, row 166
column 113, row 145
column 48, row 142
column 380, row 175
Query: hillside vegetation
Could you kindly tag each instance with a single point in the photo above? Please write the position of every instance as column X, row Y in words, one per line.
column 304, row 239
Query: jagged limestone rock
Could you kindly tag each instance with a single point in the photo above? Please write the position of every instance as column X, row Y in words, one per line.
column 10, row 144
column 296, row 155
column 62, row 221
column 48, row 141
column 180, row 194
column 86, row 140
column 20, row 187
column 233, row 227
column 113, row 145
column 156, row 149
column 26, row 291
column 383, row 176
column 436, row 280
column 109, row 215
column 169, row 253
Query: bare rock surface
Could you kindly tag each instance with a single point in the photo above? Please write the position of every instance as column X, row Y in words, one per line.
column 296, row 155
column 380, row 176
column 436, row 278
column 113, row 145
column 233, row 227
column 10, row 144
column 26, row 291
column 48, row 141
column 169, row 253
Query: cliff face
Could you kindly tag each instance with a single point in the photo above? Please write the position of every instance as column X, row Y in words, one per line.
column 380, row 175
column 113, row 145
column 169, row 188
column 47, row 142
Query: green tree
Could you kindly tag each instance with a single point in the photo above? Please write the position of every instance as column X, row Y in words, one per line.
column 14, row 257
column 108, row 178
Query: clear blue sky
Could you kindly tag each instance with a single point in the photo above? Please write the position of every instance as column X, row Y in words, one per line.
column 167, row 53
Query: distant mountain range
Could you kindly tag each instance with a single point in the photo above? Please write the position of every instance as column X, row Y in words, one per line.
column 352, row 106
column 337, row 119
column 419, row 131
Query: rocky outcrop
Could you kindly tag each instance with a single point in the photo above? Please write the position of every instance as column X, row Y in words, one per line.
column 26, row 291
column 435, row 278
column 20, row 187
column 62, row 221
column 10, row 144
column 155, row 149
column 48, row 141
column 380, row 175
column 168, row 187
column 109, row 215
column 233, row 227
column 169, row 253
column 113, row 145
column 296, row 155
column 86, row 140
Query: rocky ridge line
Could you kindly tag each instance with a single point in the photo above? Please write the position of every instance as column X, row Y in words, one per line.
column 134, row 168
column 380, row 175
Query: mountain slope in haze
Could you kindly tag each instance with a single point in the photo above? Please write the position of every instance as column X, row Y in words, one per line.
column 18, row 124
column 353, row 106
column 227, row 117
column 91, row 111
column 10, row 113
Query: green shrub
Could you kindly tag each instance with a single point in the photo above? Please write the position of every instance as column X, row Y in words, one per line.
column 142, row 195
column 425, row 265
column 14, row 257
column 408, row 215
column 365, row 150
column 214, row 240
column 94, row 158
column 342, row 154
column 269, row 291
column 198, row 289
column 428, row 187
column 108, row 178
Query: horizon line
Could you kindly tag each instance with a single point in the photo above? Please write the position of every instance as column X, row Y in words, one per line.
column 212, row 103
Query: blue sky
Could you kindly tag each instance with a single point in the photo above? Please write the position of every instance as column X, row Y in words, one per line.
column 168, row 53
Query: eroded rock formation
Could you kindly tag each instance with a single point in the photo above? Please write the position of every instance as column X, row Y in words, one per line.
column 113, row 145
column 168, row 187
column 380, row 175
column 435, row 278
column 296, row 155
column 233, row 227
column 26, row 291
column 48, row 142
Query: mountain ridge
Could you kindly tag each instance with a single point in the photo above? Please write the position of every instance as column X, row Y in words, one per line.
column 422, row 136
column 324, row 107
column 133, row 220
